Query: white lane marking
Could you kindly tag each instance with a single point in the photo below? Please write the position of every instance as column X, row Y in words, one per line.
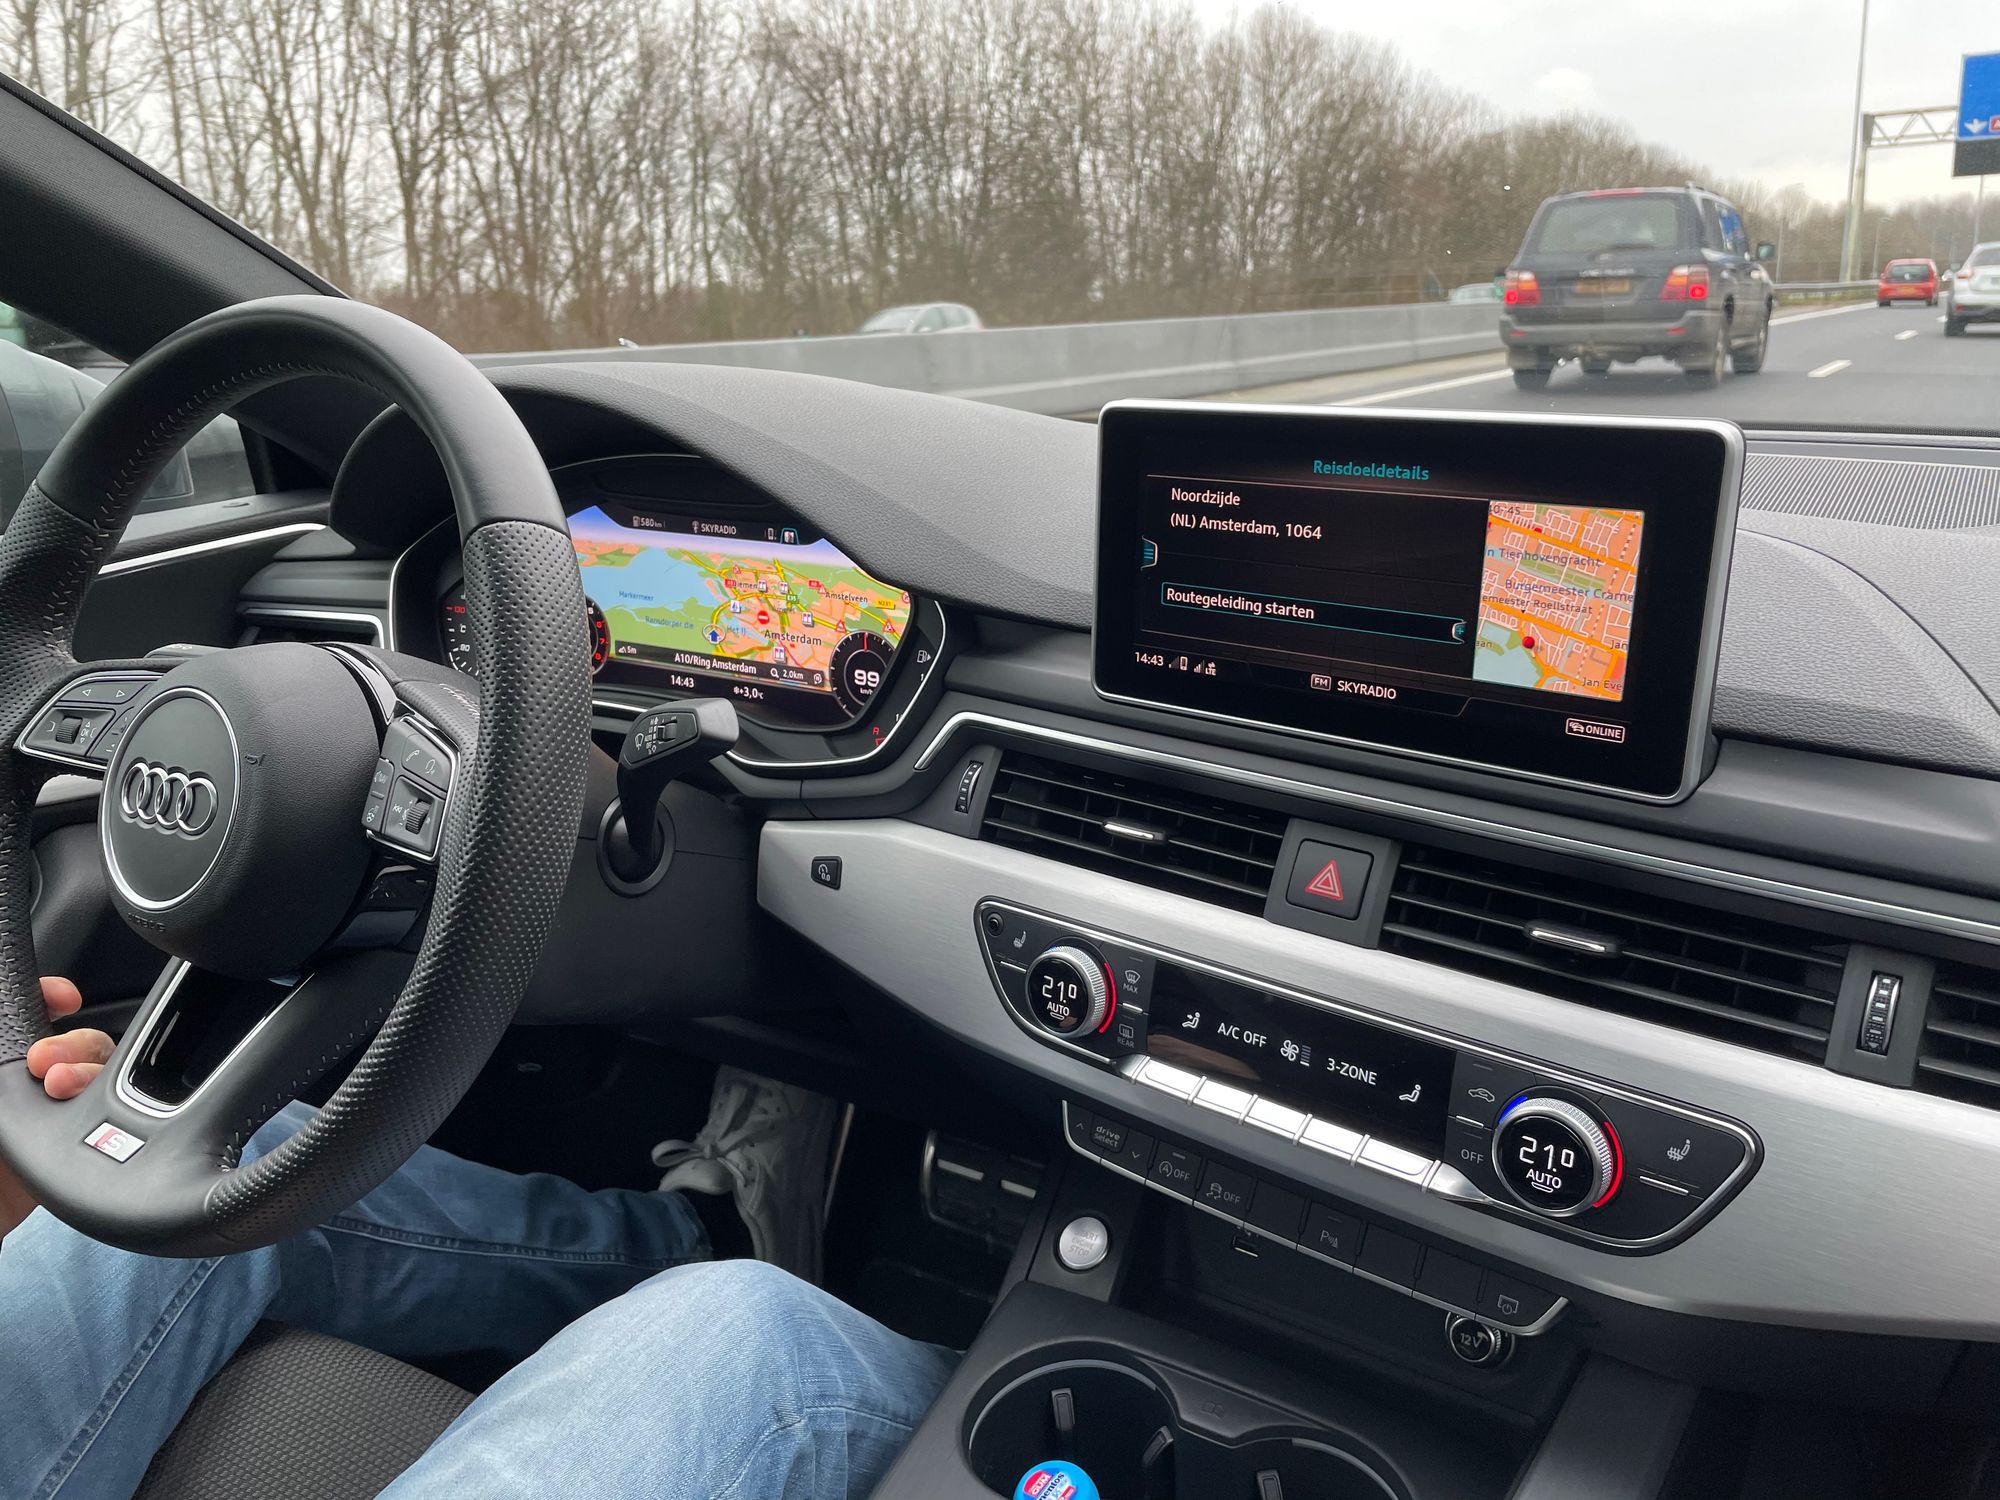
column 1451, row 385
column 1831, row 367
column 1424, row 390
column 1907, row 333
column 1822, row 312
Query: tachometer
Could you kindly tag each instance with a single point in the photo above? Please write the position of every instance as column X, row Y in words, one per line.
column 860, row 663
column 600, row 637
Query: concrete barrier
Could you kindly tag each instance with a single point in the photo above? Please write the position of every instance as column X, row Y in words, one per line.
column 1077, row 367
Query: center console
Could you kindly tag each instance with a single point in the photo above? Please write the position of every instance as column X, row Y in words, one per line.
column 1583, row 1158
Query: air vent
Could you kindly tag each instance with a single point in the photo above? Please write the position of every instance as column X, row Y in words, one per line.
column 1959, row 1056
column 264, row 625
column 1216, row 850
column 1744, row 980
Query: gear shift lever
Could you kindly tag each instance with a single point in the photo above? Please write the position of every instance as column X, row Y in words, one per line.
column 662, row 745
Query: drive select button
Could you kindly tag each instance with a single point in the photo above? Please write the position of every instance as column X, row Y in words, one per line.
column 1329, row 878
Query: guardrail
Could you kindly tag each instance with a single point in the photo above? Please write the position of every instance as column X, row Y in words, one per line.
column 1069, row 368
column 1806, row 291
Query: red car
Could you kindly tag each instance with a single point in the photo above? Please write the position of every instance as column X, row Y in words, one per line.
column 1908, row 281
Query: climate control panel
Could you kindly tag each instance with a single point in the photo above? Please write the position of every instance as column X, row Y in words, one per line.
column 1585, row 1158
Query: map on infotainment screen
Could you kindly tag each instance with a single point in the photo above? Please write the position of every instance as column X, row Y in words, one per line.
column 1556, row 596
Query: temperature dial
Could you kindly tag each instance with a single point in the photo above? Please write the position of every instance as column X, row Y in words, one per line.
column 1069, row 991
column 1555, row 1157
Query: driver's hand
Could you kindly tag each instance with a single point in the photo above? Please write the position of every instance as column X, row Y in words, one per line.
column 65, row 1064
column 68, row 1062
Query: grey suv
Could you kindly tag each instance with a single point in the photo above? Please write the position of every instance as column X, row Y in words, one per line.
column 1621, row 273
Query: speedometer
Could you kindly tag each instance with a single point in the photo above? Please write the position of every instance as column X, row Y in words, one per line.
column 462, row 652
column 455, row 632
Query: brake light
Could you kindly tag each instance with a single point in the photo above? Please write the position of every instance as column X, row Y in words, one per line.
column 1685, row 284
column 1521, row 290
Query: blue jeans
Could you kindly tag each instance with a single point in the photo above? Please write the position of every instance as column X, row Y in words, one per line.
column 646, row 1372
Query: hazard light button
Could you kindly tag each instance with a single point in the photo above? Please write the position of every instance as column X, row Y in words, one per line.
column 1329, row 878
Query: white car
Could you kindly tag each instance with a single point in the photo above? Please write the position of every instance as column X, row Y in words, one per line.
column 1973, row 295
column 924, row 317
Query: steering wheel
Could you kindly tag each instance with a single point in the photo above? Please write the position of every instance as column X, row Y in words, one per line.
column 256, row 799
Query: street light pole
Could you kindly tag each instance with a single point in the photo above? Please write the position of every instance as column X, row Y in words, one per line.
column 1857, row 157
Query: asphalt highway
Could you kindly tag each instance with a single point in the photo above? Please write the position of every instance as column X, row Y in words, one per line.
column 1855, row 366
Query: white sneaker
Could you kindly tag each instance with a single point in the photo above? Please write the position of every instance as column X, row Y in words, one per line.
column 766, row 1144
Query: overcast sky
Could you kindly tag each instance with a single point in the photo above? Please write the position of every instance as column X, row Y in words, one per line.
column 1753, row 88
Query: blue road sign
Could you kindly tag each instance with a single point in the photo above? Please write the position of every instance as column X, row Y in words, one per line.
column 1978, row 147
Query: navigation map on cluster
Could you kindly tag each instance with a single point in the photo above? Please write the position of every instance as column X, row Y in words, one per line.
column 742, row 605
column 1555, row 597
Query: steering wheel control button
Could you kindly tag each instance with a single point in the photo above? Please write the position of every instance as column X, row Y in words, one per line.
column 66, row 731
column 408, row 822
column 408, row 791
column 1475, row 1343
column 408, row 750
column 1069, row 991
column 1554, row 1156
column 826, row 871
column 1084, row 1244
column 1329, row 879
column 113, row 690
column 170, row 798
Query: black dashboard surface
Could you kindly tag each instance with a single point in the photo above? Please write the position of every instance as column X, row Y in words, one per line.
column 1833, row 639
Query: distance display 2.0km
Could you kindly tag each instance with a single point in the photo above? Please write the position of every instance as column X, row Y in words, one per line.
column 1530, row 596
column 764, row 612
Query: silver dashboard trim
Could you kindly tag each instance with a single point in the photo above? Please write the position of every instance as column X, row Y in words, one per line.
column 1722, row 544
column 1655, row 864
column 215, row 544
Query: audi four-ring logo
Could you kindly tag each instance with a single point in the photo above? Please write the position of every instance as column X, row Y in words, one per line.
column 167, row 798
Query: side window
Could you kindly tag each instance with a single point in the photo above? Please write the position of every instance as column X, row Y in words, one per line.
column 1712, row 237
column 1733, row 235
column 931, row 321
column 48, row 377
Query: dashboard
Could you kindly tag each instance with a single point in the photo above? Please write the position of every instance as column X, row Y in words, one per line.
column 1747, row 993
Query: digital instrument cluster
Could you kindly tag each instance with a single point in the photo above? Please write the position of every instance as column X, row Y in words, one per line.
column 761, row 610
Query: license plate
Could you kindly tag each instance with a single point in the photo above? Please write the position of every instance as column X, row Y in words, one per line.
column 1601, row 286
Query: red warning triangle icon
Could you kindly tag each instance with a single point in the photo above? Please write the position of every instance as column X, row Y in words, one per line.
column 1327, row 882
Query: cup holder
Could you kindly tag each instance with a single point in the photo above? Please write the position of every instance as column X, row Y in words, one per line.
column 1116, row 1424
column 1119, row 1425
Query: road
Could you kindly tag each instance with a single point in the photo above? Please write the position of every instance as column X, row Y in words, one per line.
column 1856, row 365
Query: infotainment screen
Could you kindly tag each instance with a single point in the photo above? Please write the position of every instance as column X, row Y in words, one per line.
column 772, row 615
column 1534, row 596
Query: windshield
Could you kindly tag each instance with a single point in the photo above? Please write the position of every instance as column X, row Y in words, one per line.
column 1587, row 226
column 1658, row 216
